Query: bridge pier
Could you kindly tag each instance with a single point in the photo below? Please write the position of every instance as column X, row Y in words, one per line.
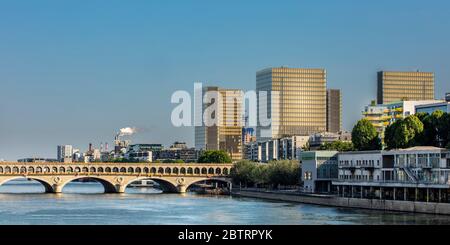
column 56, row 189
column 181, row 188
column 120, row 188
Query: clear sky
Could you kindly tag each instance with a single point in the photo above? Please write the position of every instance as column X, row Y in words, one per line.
column 74, row 72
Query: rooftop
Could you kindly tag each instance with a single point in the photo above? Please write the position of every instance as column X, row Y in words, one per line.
column 421, row 148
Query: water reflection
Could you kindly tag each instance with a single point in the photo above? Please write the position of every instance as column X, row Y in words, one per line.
column 23, row 202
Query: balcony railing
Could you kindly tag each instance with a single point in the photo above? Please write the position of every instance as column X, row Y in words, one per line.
column 425, row 182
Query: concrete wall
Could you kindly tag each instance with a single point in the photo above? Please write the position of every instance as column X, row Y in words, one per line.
column 374, row 204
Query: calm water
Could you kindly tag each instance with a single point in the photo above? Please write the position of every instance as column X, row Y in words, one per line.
column 23, row 202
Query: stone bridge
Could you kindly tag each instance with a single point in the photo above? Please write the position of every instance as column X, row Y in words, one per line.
column 115, row 177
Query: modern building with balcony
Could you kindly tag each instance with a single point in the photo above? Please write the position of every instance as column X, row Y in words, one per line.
column 414, row 174
column 383, row 115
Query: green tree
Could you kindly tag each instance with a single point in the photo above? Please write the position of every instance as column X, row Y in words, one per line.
column 404, row 133
column 284, row 172
column 260, row 174
column 243, row 172
column 365, row 136
column 274, row 173
column 341, row 146
column 173, row 161
column 436, row 128
column 214, row 157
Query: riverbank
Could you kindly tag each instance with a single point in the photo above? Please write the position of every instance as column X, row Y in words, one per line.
column 333, row 201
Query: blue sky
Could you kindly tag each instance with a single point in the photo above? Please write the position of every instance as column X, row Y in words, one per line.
column 74, row 72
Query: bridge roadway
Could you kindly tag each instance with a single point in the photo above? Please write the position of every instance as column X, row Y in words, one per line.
column 115, row 177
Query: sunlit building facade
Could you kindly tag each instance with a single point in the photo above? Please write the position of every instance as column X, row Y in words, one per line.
column 396, row 86
column 226, row 134
column 297, row 106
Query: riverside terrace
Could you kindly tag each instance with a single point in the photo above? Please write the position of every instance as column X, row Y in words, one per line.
column 414, row 174
column 115, row 177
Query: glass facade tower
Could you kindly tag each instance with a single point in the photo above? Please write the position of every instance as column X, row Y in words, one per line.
column 297, row 106
column 396, row 86
column 226, row 134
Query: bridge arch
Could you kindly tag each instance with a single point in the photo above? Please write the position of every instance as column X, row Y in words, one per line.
column 165, row 185
column 216, row 179
column 108, row 186
column 47, row 186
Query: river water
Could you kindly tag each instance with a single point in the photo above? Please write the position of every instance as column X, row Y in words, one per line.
column 23, row 202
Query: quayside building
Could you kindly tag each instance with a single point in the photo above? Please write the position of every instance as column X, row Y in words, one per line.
column 415, row 174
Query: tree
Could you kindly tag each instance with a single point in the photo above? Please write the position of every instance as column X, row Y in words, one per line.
column 341, row 146
column 436, row 128
column 214, row 157
column 260, row 174
column 284, row 172
column 242, row 172
column 274, row 173
column 404, row 133
column 173, row 161
column 365, row 136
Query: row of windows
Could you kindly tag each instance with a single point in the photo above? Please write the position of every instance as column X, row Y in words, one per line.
column 357, row 177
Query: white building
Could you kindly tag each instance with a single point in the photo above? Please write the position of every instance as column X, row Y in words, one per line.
column 432, row 107
column 319, row 169
column 419, row 173
column 276, row 149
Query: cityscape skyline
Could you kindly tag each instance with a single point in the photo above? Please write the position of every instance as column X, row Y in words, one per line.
column 58, row 89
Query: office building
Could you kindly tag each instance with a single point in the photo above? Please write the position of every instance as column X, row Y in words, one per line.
column 286, row 148
column 297, row 105
column 319, row 169
column 226, row 133
column 64, row 153
column 397, row 86
column 334, row 110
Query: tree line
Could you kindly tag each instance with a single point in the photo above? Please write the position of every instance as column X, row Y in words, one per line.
column 272, row 174
column 421, row 129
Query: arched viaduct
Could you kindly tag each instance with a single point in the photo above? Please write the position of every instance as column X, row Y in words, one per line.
column 115, row 177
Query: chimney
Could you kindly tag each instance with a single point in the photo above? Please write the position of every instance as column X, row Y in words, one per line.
column 90, row 147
